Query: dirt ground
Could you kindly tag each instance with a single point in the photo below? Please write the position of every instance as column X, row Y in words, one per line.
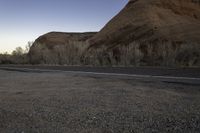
column 72, row 103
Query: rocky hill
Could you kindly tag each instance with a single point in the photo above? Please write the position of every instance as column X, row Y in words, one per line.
column 48, row 47
column 152, row 21
column 52, row 39
column 154, row 32
column 145, row 32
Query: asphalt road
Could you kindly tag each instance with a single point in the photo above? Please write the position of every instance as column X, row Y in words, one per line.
column 175, row 72
column 171, row 75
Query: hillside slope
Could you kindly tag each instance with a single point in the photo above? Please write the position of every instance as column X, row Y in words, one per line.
column 58, row 47
column 150, row 21
column 145, row 32
column 152, row 32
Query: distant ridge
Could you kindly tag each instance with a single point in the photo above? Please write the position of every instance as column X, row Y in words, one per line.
column 60, row 38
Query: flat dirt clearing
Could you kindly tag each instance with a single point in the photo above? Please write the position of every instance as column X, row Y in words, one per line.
column 53, row 102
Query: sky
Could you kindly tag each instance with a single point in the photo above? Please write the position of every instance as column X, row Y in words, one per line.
column 25, row 20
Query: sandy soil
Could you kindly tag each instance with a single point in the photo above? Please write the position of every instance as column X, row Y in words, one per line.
column 70, row 103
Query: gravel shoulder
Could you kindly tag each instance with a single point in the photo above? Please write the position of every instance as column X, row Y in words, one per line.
column 63, row 102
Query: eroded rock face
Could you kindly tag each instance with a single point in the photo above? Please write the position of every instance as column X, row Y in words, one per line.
column 49, row 48
column 152, row 20
column 159, row 26
column 52, row 39
column 145, row 32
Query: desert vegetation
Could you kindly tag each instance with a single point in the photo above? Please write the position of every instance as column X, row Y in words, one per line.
column 63, row 54
column 147, row 54
column 135, row 54
column 18, row 56
column 166, row 34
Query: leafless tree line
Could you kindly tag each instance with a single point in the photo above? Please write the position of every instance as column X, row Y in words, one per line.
column 135, row 54
column 147, row 54
column 18, row 56
column 63, row 54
